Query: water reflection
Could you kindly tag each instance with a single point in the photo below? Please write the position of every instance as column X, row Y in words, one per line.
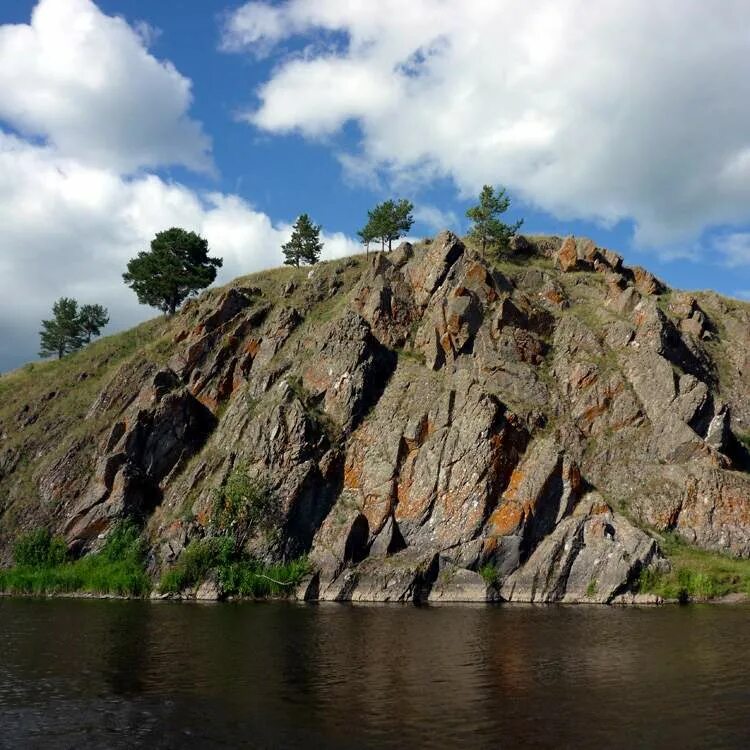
column 130, row 674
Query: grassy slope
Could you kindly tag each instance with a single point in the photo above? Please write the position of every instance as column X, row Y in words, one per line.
column 43, row 406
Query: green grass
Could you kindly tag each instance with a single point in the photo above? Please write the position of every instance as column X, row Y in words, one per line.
column 489, row 574
column 41, row 569
column 696, row 574
column 251, row 578
column 238, row 574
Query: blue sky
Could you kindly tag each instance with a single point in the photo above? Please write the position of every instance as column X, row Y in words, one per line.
column 601, row 124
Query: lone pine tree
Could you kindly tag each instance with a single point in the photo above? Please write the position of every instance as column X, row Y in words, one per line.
column 488, row 230
column 304, row 245
column 70, row 327
column 176, row 266
column 93, row 318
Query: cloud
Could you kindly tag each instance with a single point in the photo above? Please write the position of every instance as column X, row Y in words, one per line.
column 87, row 84
column 735, row 248
column 607, row 112
column 435, row 218
column 76, row 205
column 69, row 229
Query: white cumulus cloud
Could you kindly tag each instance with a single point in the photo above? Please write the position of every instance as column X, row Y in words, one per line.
column 605, row 111
column 87, row 84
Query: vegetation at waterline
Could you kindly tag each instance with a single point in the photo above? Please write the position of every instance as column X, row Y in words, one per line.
column 43, row 567
column 236, row 572
column 489, row 574
column 696, row 574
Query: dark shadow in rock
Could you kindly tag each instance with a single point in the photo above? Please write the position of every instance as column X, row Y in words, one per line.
column 737, row 452
column 425, row 580
column 355, row 548
column 377, row 380
column 317, row 496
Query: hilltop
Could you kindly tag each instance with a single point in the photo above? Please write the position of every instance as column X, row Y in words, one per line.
column 426, row 424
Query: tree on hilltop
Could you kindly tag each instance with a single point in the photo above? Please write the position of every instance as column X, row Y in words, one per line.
column 387, row 222
column 62, row 334
column 304, row 245
column 176, row 266
column 93, row 318
column 70, row 327
column 488, row 230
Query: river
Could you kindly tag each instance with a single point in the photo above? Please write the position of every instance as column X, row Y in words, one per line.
column 90, row 673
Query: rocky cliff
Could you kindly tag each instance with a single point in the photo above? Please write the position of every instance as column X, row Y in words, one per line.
column 414, row 417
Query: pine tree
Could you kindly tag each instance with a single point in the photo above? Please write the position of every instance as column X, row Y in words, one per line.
column 93, row 318
column 304, row 245
column 366, row 236
column 387, row 222
column 63, row 333
column 488, row 230
column 177, row 266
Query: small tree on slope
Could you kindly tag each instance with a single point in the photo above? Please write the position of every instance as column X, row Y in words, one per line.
column 488, row 230
column 304, row 245
column 387, row 222
column 93, row 318
column 62, row 334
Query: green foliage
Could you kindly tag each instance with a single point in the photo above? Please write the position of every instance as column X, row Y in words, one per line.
column 248, row 577
column 237, row 573
column 39, row 549
column 177, row 266
column 367, row 235
column 488, row 230
column 695, row 573
column 489, row 574
column 591, row 589
column 197, row 560
column 92, row 319
column 62, row 334
column 387, row 222
column 243, row 503
column 41, row 566
column 304, row 246
column 70, row 328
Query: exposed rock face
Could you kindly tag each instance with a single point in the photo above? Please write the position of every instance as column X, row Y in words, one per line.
column 417, row 417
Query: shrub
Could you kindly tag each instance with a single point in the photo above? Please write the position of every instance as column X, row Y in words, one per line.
column 196, row 562
column 242, row 503
column 124, row 543
column 39, row 549
column 237, row 573
column 248, row 577
column 489, row 573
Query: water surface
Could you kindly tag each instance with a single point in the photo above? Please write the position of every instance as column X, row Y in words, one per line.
column 79, row 673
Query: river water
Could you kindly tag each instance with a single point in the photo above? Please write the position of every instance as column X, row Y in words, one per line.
column 86, row 673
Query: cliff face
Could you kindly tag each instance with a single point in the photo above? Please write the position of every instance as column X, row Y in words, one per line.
column 415, row 417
